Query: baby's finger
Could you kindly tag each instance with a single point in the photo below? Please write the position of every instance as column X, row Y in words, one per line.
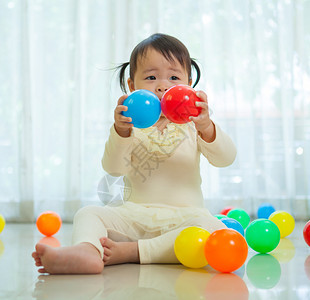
column 124, row 119
column 202, row 95
column 120, row 118
column 122, row 99
column 194, row 119
column 120, row 108
column 203, row 105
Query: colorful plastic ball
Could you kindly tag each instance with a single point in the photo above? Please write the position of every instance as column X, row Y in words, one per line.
column 143, row 108
column 220, row 216
column 189, row 247
column 233, row 224
column 306, row 233
column 48, row 223
column 240, row 215
column 284, row 221
column 226, row 250
column 226, row 210
column 262, row 235
column 2, row 223
column 265, row 210
column 179, row 103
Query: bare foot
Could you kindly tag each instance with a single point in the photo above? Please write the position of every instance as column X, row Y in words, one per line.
column 119, row 252
column 83, row 258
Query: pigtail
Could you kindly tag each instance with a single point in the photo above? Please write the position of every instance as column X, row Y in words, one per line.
column 121, row 76
column 198, row 73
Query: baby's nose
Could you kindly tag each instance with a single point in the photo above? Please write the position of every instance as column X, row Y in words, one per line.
column 161, row 89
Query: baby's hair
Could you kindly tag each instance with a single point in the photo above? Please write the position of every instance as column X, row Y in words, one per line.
column 170, row 47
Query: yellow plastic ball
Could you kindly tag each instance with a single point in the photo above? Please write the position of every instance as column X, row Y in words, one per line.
column 189, row 247
column 2, row 223
column 284, row 221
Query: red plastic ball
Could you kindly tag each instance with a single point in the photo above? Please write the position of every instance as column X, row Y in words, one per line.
column 307, row 233
column 48, row 223
column 179, row 103
column 226, row 250
column 226, row 210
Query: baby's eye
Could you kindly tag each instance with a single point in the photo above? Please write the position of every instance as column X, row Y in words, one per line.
column 151, row 77
column 174, row 78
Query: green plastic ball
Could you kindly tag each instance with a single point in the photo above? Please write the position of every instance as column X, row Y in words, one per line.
column 262, row 235
column 241, row 216
column 220, row 216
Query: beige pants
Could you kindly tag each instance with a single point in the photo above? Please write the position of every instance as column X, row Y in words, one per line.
column 155, row 242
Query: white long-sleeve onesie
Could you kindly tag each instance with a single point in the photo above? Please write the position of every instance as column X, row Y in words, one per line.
column 163, row 194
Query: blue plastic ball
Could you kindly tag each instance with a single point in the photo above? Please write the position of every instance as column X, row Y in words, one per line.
column 233, row 224
column 143, row 108
column 265, row 210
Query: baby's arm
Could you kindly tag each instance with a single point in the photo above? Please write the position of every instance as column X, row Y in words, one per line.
column 203, row 123
column 213, row 143
column 221, row 152
column 118, row 148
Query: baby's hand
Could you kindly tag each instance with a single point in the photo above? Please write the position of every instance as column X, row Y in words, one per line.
column 203, row 122
column 121, row 123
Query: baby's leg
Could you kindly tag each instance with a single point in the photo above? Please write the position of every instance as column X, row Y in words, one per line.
column 158, row 249
column 86, row 255
column 155, row 250
column 92, row 223
column 161, row 249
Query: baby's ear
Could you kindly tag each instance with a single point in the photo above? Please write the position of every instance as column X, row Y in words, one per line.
column 131, row 84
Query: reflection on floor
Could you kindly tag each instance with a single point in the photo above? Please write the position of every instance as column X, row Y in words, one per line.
column 282, row 274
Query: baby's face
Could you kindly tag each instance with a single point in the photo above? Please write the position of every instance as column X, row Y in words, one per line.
column 157, row 74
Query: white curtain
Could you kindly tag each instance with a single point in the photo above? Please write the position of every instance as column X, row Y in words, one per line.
column 58, row 92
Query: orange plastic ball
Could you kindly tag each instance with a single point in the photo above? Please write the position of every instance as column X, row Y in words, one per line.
column 48, row 223
column 226, row 250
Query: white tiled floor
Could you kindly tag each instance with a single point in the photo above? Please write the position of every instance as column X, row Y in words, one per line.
column 285, row 274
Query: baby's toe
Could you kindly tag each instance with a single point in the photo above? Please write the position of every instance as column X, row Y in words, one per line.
column 102, row 240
